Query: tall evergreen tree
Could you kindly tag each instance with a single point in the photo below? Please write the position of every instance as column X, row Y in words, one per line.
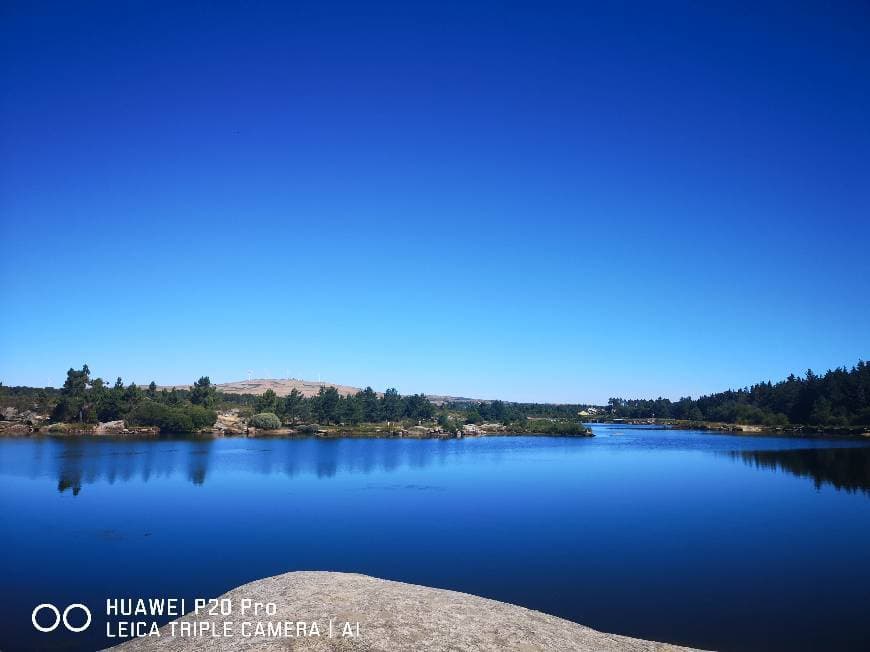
column 203, row 392
column 326, row 405
column 295, row 406
column 371, row 407
column 391, row 405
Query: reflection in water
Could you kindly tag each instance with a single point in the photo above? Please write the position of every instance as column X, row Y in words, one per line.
column 66, row 482
column 79, row 462
column 76, row 463
column 847, row 469
column 197, row 461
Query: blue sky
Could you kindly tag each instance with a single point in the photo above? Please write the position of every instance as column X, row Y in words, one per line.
column 530, row 201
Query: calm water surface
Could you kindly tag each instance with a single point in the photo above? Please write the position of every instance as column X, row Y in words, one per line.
column 717, row 541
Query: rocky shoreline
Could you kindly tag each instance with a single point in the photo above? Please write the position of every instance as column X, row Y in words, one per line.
column 25, row 424
column 231, row 424
column 413, row 432
column 383, row 616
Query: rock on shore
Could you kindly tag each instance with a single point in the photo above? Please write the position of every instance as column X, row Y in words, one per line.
column 394, row 616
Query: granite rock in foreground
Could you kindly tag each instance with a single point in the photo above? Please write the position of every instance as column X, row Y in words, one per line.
column 395, row 616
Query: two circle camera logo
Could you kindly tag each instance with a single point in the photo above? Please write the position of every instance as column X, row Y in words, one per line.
column 58, row 617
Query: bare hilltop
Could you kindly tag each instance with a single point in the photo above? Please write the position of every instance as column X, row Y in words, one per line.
column 308, row 388
column 281, row 386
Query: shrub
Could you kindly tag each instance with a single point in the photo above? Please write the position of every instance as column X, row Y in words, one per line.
column 266, row 421
column 449, row 423
column 148, row 413
column 550, row 427
column 183, row 418
column 176, row 420
column 200, row 416
column 862, row 418
column 773, row 420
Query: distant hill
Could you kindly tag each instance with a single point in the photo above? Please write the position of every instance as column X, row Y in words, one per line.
column 308, row 388
column 281, row 386
column 441, row 399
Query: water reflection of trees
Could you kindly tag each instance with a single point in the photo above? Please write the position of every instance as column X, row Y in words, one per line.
column 846, row 469
column 197, row 461
column 76, row 463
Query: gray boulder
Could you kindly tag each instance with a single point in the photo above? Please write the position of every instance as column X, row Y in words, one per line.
column 109, row 428
column 392, row 616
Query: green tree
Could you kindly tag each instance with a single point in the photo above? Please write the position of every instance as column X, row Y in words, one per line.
column 132, row 395
column 203, row 392
column 473, row 416
column 326, row 405
column 391, row 405
column 267, row 402
column 371, row 407
column 42, row 400
column 350, row 410
column 417, row 406
column 821, row 412
column 76, row 382
column 98, row 390
column 496, row 411
column 294, row 405
column 73, row 402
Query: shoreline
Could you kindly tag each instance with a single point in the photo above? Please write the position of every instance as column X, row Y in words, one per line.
column 270, row 434
column 800, row 430
column 380, row 431
column 242, row 429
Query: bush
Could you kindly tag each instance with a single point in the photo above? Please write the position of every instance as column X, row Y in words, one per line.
column 774, row 420
column 266, row 421
column 473, row 416
column 448, row 423
column 548, row 427
column 307, row 428
column 200, row 416
column 862, row 418
column 184, row 418
column 175, row 420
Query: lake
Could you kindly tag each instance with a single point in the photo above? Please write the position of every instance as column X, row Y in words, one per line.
column 717, row 541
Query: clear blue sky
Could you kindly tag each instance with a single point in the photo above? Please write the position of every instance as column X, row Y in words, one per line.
column 529, row 201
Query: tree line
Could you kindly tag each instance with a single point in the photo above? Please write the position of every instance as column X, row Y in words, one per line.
column 839, row 398
column 89, row 400
column 86, row 400
column 507, row 413
column 329, row 407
